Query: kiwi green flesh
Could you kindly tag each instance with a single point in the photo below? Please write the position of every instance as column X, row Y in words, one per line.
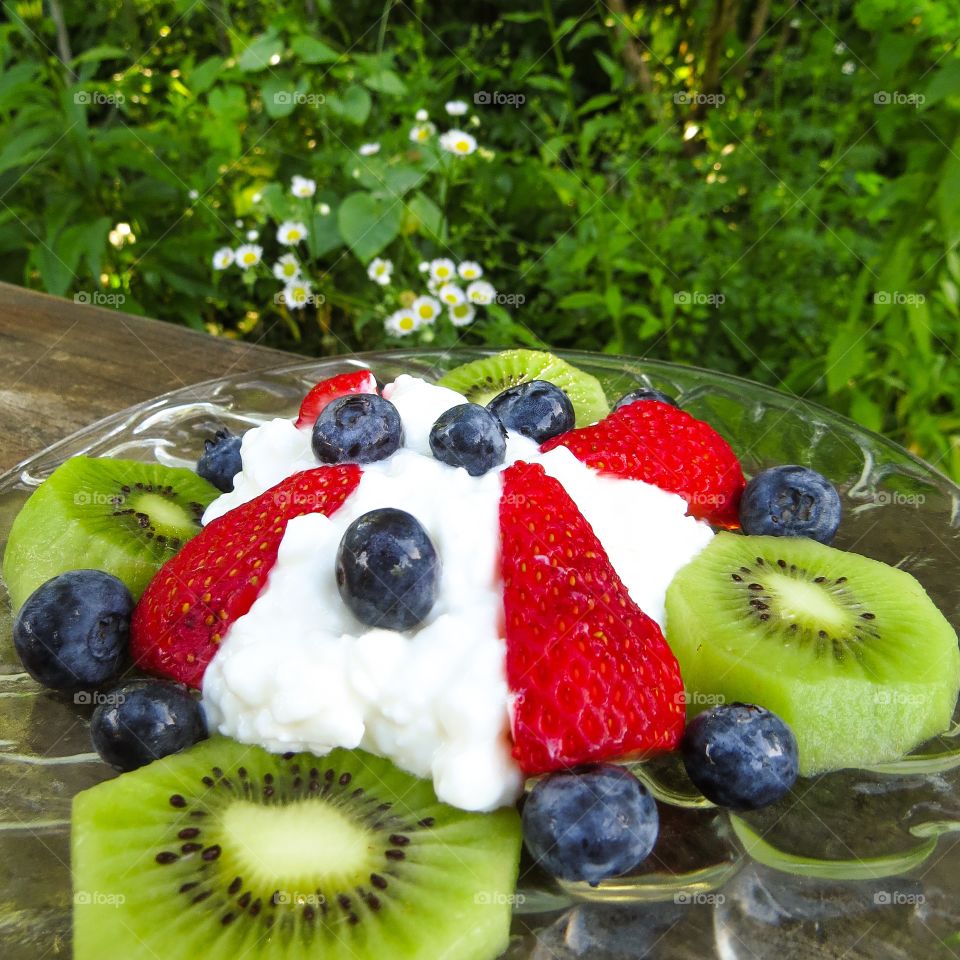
column 481, row 380
column 850, row 652
column 122, row 516
column 227, row 851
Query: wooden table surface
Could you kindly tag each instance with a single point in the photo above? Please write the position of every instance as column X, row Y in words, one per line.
column 64, row 365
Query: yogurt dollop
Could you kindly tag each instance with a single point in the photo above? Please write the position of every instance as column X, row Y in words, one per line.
column 298, row 671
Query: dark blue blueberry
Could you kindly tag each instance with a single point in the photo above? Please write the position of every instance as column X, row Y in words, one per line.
column 645, row 393
column 537, row 409
column 73, row 631
column 740, row 756
column 359, row 428
column 144, row 720
column 790, row 501
column 220, row 461
column 469, row 436
column 590, row 824
column 388, row 570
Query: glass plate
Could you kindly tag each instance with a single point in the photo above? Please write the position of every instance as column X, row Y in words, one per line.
column 853, row 864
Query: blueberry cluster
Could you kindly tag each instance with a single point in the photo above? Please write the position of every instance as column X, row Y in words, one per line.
column 72, row 635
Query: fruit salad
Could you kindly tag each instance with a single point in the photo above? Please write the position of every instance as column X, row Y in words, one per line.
column 362, row 658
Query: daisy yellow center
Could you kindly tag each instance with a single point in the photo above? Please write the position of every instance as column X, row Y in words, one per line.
column 462, row 146
column 406, row 323
column 426, row 311
column 249, row 258
column 443, row 272
column 299, row 294
column 381, row 270
column 470, row 274
column 461, row 310
column 294, row 235
column 289, row 269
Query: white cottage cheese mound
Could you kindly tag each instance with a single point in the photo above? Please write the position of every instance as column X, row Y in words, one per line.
column 300, row 672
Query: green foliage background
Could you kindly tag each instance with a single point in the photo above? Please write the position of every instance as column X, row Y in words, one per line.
column 768, row 187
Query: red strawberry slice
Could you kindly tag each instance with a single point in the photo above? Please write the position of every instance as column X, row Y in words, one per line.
column 655, row 442
column 357, row 381
column 191, row 602
column 591, row 675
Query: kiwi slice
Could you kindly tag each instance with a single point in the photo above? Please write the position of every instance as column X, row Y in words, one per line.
column 850, row 652
column 481, row 380
column 227, row 851
column 122, row 516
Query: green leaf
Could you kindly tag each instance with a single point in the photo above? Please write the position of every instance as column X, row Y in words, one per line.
column 279, row 96
column 368, row 224
column 324, row 233
column 429, row 216
column 580, row 300
column 354, row 106
column 258, row 54
column 311, row 50
column 94, row 241
column 944, row 83
column 614, row 301
column 100, row 53
column 202, row 76
column 846, row 356
column 386, row 81
column 598, row 102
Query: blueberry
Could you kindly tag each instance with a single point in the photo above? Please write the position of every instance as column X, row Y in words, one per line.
column 740, row 756
column 359, row 428
column 590, row 824
column 388, row 570
column 469, row 436
column 220, row 461
column 73, row 631
column 790, row 501
column 537, row 409
column 144, row 720
column 644, row 393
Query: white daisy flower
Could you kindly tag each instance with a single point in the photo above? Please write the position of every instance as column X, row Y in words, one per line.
column 248, row 255
column 426, row 309
column 422, row 132
column 442, row 270
column 433, row 287
column 323, row 209
column 402, row 323
column 296, row 295
column 287, row 268
column 458, row 142
column 456, row 108
column 422, row 115
column 238, row 223
column 462, row 315
column 481, row 292
column 470, row 270
column 291, row 232
column 253, row 235
column 222, row 258
column 379, row 271
column 423, row 266
column 451, row 294
column 302, row 186
column 368, row 149
column 193, row 194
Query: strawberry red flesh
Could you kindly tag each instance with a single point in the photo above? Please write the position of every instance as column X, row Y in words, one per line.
column 357, row 381
column 186, row 610
column 591, row 675
column 667, row 447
